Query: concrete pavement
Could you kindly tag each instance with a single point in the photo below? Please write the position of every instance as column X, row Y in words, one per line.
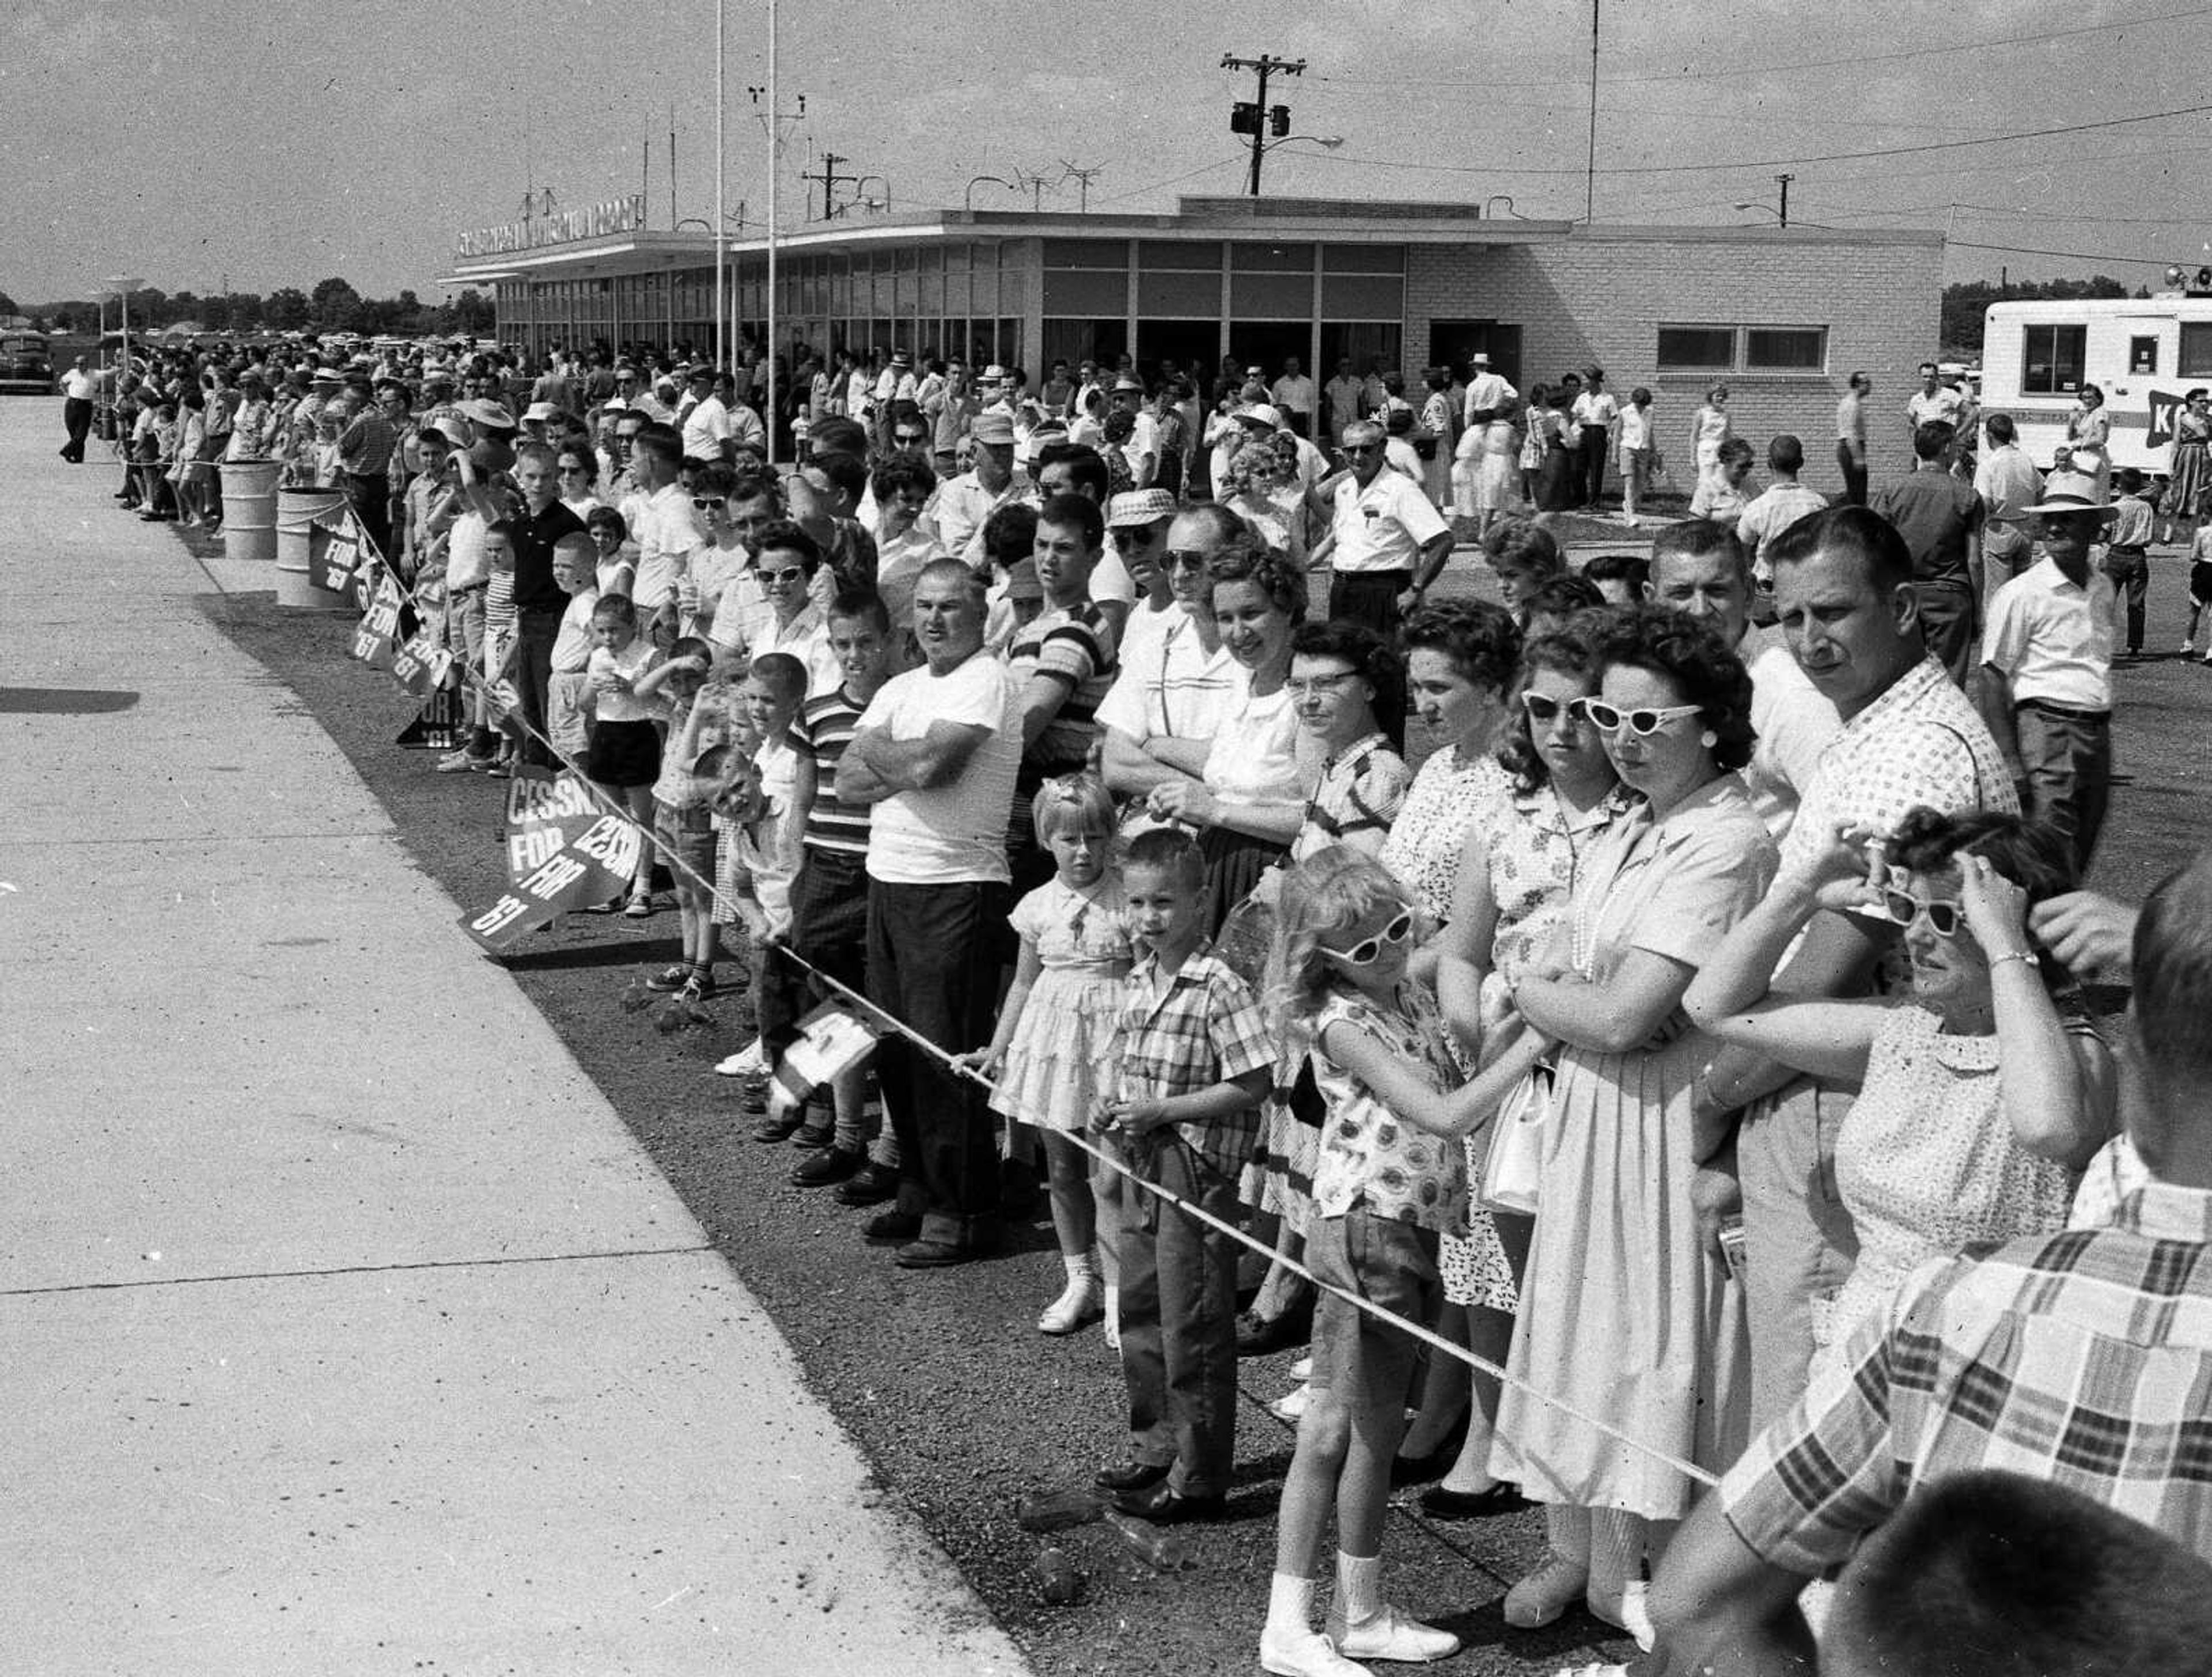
column 347, row 1329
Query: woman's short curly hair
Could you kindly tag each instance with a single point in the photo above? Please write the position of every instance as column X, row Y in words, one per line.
column 1366, row 652
column 1701, row 666
column 1569, row 652
column 1246, row 558
column 1481, row 640
column 1518, row 545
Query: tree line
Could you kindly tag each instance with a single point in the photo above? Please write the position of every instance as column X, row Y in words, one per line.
column 332, row 306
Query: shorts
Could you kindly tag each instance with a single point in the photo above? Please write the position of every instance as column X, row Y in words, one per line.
column 569, row 699
column 624, row 754
column 1367, row 1364
column 685, row 841
column 2200, row 581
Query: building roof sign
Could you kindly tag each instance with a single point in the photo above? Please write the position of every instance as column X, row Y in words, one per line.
column 596, row 221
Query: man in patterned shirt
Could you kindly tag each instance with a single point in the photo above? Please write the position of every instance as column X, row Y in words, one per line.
column 1192, row 1060
column 2082, row 1357
column 1850, row 616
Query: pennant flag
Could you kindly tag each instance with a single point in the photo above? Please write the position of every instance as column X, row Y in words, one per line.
column 562, row 853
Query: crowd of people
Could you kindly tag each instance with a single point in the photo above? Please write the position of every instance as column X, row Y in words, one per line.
column 1681, row 1032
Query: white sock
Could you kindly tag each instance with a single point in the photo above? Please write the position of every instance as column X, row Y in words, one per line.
column 1567, row 1529
column 1358, row 1587
column 1079, row 1265
column 1616, row 1553
column 1289, row 1605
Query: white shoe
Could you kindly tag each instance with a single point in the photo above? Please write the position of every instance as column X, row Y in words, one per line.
column 1630, row 1614
column 1307, row 1654
column 1291, row 1404
column 1075, row 1307
column 1546, row 1592
column 1392, row 1637
column 747, row 1061
column 2188, row 646
column 1303, row 1369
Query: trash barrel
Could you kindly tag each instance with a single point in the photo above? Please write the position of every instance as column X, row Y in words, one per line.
column 300, row 539
column 249, row 510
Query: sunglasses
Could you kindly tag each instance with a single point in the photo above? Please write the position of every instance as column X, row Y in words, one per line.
column 1641, row 723
column 1543, row 709
column 705, row 503
column 1905, row 908
column 1187, row 556
column 909, row 438
column 1368, row 951
column 778, row 578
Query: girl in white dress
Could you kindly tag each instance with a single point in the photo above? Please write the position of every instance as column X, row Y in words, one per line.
column 1056, row 1022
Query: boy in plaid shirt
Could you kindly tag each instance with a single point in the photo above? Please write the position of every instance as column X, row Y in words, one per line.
column 1192, row 1060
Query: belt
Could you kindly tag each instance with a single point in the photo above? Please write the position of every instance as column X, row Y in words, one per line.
column 2127, row 547
column 2065, row 712
column 466, row 588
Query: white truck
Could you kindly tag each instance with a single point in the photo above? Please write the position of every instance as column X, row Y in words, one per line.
column 2144, row 353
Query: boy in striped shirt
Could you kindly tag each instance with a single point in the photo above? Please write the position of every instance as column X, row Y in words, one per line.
column 830, row 903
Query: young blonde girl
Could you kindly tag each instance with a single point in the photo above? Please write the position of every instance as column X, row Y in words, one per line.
column 1055, row 1023
column 1390, row 1180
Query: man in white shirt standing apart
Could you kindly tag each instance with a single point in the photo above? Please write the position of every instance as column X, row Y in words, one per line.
column 1596, row 413
column 2009, row 486
column 1387, row 541
column 79, row 387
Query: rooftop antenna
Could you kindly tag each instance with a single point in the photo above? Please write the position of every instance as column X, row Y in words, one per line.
column 1083, row 177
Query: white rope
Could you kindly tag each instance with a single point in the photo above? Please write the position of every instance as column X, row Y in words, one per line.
column 1427, row 1336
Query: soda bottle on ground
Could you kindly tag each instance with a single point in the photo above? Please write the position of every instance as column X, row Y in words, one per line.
column 1162, row 1550
column 1056, row 1510
column 1057, row 1579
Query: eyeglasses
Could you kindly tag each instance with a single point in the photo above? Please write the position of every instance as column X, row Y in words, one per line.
column 1905, row 908
column 706, row 503
column 1368, row 951
column 909, row 439
column 779, row 579
column 1136, row 535
column 1541, row 708
column 1299, row 688
column 1186, row 556
column 1641, row 723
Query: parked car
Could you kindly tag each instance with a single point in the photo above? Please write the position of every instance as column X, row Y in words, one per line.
column 25, row 362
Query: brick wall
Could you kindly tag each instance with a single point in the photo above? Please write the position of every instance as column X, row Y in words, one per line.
column 1600, row 297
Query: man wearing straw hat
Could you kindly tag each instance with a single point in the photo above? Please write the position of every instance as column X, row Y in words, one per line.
column 2047, row 667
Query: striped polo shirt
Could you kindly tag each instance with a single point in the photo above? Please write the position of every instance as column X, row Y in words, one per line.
column 1076, row 645
column 824, row 727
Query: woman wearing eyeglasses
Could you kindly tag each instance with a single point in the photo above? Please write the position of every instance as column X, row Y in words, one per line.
column 1517, row 869
column 1982, row 1093
column 576, row 472
column 1622, row 1314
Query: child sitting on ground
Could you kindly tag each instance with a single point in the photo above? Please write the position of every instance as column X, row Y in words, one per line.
column 694, row 770
column 1191, row 1061
column 1048, row 1052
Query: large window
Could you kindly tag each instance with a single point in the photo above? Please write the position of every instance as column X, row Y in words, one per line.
column 2195, row 361
column 2052, row 359
column 1702, row 347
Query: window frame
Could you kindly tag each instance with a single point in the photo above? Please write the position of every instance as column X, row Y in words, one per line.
column 2052, row 386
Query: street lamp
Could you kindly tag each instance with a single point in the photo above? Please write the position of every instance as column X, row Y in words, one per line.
column 1327, row 142
column 968, row 201
column 1760, row 203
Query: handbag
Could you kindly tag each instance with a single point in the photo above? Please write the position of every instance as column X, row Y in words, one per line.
column 1513, row 1167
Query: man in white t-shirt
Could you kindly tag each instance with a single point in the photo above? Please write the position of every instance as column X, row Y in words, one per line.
column 79, row 387
column 1387, row 541
column 708, row 433
column 663, row 523
column 936, row 754
column 1294, row 393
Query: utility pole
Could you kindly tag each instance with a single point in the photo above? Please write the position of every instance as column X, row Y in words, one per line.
column 1590, row 168
column 1783, row 181
column 831, row 181
column 1069, row 171
column 1252, row 120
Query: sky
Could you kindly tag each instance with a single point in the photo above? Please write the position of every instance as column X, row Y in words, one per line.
column 198, row 147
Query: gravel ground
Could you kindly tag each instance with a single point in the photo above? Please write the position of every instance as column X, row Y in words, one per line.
column 896, row 1355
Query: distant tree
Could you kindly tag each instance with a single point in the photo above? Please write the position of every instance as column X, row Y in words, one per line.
column 333, row 302
column 214, row 314
column 1965, row 304
column 472, row 313
column 287, row 309
column 7, row 304
column 245, row 311
column 151, row 308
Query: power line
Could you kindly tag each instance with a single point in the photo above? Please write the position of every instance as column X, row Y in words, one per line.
column 1737, row 73
column 1750, row 163
column 2082, row 255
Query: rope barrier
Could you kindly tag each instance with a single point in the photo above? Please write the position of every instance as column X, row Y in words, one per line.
column 1427, row 1336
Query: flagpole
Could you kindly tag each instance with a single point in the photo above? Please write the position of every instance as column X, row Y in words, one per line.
column 721, row 247
column 775, row 124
